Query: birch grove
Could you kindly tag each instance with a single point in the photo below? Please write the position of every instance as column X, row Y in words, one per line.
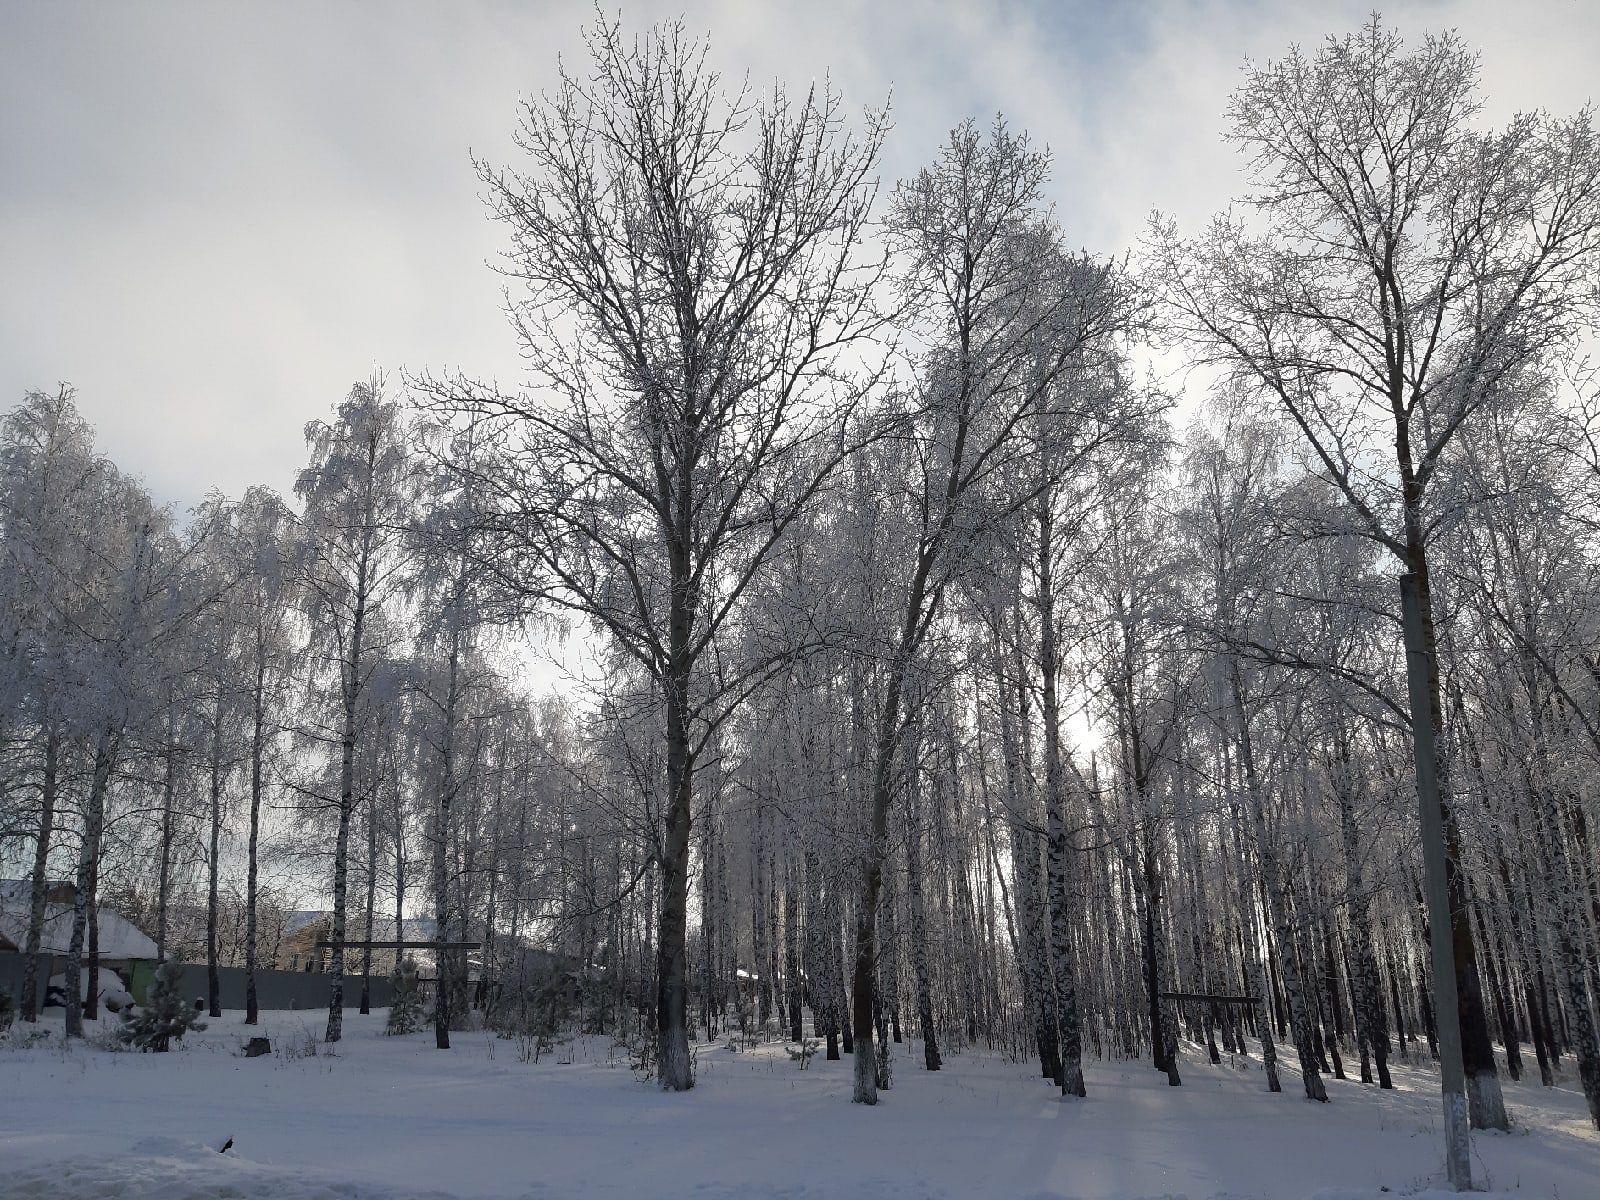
column 934, row 673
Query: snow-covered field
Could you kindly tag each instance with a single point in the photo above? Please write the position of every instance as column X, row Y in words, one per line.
column 394, row 1119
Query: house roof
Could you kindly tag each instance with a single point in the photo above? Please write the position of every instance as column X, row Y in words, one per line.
column 416, row 929
column 119, row 937
column 296, row 921
column 21, row 890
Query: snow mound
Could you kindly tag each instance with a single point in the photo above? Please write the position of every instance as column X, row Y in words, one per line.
column 167, row 1168
column 1395, row 1194
column 170, row 1147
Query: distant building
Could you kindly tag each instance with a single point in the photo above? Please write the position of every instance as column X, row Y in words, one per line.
column 124, row 947
column 298, row 949
column 120, row 940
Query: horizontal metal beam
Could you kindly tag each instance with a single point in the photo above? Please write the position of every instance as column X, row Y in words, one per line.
column 330, row 944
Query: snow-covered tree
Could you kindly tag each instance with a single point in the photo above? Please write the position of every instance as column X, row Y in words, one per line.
column 693, row 308
column 354, row 562
column 165, row 1016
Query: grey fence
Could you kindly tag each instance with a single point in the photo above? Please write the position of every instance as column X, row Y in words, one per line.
column 274, row 989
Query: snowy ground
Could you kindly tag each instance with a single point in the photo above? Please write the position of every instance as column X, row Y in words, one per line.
column 394, row 1119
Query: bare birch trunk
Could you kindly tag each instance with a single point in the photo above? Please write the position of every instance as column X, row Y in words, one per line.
column 1068, row 1029
column 1372, row 1031
column 88, row 871
column 214, row 867
column 39, row 883
column 252, row 1007
column 1277, row 901
column 919, row 921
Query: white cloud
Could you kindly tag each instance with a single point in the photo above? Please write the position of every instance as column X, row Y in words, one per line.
column 214, row 217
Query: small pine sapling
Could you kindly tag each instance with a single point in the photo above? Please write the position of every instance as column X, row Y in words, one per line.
column 405, row 1010
column 802, row 1053
column 164, row 1019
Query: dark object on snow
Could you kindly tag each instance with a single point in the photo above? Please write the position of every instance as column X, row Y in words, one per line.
column 113, row 991
column 199, row 1003
column 255, row 1048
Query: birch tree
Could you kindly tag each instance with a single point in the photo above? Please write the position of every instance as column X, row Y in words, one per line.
column 1005, row 313
column 1401, row 271
column 269, row 662
column 50, row 478
column 697, row 287
column 357, row 493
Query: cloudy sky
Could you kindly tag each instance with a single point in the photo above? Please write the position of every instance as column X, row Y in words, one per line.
column 215, row 216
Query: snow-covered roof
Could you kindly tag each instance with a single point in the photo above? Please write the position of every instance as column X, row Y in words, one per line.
column 119, row 937
column 21, row 890
column 304, row 919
